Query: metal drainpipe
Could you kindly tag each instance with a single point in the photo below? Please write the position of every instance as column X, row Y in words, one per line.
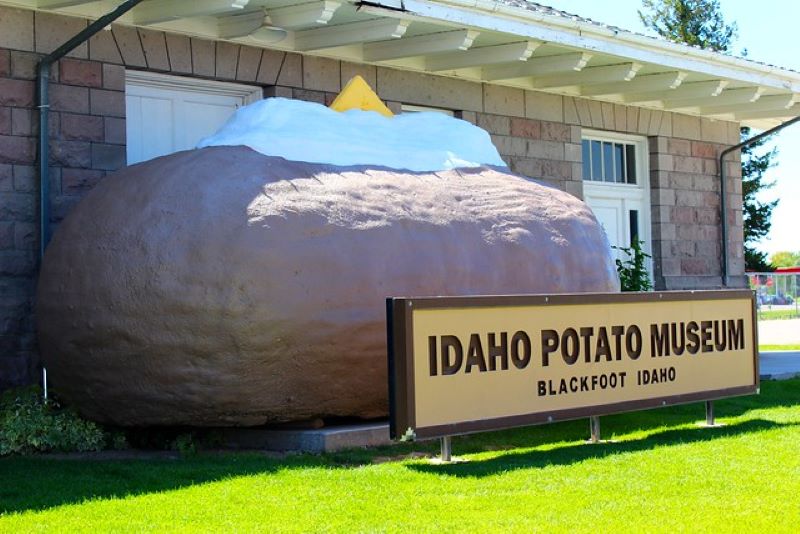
column 723, row 199
column 43, row 81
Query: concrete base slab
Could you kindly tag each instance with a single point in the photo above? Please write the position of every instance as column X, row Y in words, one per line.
column 308, row 440
column 453, row 460
column 703, row 424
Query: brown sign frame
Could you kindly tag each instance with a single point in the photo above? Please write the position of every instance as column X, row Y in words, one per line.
column 401, row 360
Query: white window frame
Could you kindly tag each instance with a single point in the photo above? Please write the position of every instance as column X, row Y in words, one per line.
column 410, row 108
column 248, row 93
column 627, row 193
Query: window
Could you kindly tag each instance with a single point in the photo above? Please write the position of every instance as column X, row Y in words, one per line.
column 609, row 161
column 406, row 108
column 616, row 188
column 633, row 225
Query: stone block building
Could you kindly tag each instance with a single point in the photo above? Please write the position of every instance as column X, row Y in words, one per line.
column 632, row 124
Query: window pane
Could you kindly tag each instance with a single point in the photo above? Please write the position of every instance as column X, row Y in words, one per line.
column 630, row 160
column 597, row 163
column 587, row 160
column 608, row 161
column 633, row 220
column 619, row 167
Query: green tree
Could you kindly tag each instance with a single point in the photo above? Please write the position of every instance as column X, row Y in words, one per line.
column 757, row 215
column 700, row 23
column 692, row 22
column 785, row 259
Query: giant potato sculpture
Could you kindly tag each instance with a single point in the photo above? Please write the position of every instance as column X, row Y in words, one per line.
column 222, row 286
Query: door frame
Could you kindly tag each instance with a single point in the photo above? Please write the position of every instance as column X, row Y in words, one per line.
column 147, row 84
column 248, row 93
column 626, row 193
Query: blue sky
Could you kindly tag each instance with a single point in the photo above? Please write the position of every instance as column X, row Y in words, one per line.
column 765, row 31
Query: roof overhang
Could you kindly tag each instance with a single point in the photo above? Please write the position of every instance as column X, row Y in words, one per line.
column 486, row 41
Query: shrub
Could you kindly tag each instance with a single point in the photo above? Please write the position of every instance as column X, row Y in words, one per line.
column 185, row 444
column 117, row 441
column 29, row 423
column 632, row 272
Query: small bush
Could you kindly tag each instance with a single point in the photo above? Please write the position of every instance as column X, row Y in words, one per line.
column 116, row 440
column 185, row 444
column 29, row 424
column 632, row 272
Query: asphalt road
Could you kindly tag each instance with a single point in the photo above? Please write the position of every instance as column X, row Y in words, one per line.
column 779, row 365
column 783, row 364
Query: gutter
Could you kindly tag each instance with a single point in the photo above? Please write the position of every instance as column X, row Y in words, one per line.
column 43, row 81
column 723, row 196
column 630, row 37
column 497, row 16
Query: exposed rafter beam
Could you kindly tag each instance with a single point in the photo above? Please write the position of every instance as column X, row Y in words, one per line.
column 347, row 34
column 788, row 113
column 585, row 36
column 650, row 82
column 730, row 96
column 538, row 66
column 164, row 10
column 587, row 76
column 59, row 4
column 303, row 15
column 686, row 90
column 765, row 103
column 487, row 55
column 420, row 45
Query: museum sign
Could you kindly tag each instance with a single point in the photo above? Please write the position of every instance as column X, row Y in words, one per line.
column 467, row 364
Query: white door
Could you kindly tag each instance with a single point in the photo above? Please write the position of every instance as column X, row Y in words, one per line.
column 615, row 186
column 609, row 213
column 621, row 214
column 165, row 114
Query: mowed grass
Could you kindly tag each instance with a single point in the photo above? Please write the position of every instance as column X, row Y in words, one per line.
column 661, row 473
column 771, row 315
column 766, row 348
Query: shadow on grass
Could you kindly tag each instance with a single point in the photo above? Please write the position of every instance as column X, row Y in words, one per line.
column 776, row 394
column 576, row 453
column 39, row 483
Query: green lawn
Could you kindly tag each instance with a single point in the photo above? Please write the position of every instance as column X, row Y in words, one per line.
column 662, row 473
column 763, row 348
column 771, row 315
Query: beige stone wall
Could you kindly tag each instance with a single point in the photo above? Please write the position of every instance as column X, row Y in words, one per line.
column 538, row 135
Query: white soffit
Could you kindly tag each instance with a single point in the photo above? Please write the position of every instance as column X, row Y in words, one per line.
column 482, row 40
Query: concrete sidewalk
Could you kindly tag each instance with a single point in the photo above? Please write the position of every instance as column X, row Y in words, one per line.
column 779, row 332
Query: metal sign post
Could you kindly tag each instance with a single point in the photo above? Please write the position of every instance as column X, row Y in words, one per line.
column 594, row 428
column 709, row 413
column 446, row 449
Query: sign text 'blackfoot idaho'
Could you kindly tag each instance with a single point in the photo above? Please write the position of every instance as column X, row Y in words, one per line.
column 476, row 363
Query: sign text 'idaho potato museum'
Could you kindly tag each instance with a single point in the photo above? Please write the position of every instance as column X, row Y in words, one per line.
column 464, row 364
